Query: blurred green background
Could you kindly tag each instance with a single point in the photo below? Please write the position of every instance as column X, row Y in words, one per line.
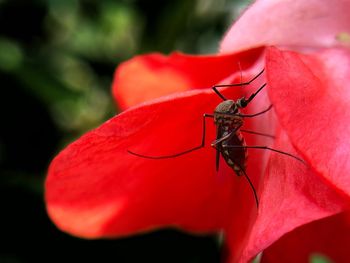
column 57, row 59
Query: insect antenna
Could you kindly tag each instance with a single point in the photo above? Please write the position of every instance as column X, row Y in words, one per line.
column 240, row 70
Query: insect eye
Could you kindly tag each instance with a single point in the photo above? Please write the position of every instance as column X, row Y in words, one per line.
column 242, row 103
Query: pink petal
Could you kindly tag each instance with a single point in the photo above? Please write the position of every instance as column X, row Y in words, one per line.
column 295, row 24
column 312, row 100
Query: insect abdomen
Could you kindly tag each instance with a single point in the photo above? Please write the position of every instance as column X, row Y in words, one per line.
column 235, row 157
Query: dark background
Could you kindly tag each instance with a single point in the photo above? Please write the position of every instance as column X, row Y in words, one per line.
column 57, row 59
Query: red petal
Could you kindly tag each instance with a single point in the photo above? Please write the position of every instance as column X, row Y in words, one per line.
column 296, row 24
column 329, row 237
column 151, row 76
column 96, row 189
column 292, row 195
column 311, row 96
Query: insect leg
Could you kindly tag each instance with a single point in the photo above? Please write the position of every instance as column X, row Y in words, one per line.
column 217, row 159
column 232, row 133
column 258, row 133
column 253, row 115
column 226, row 137
column 251, row 186
column 265, row 148
column 235, row 85
column 251, row 97
column 180, row 153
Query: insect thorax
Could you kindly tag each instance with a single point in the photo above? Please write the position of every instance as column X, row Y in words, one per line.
column 225, row 115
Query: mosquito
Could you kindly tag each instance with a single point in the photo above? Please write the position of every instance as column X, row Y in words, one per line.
column 229, row 142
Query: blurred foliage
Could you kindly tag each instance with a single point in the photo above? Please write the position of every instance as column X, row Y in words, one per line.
column 57, row 59
column 319, row 258
column 64, row 51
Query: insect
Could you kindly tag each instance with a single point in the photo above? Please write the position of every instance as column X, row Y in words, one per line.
column 230, row 143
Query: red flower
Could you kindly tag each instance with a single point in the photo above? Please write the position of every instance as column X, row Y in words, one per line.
column 95, row 188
